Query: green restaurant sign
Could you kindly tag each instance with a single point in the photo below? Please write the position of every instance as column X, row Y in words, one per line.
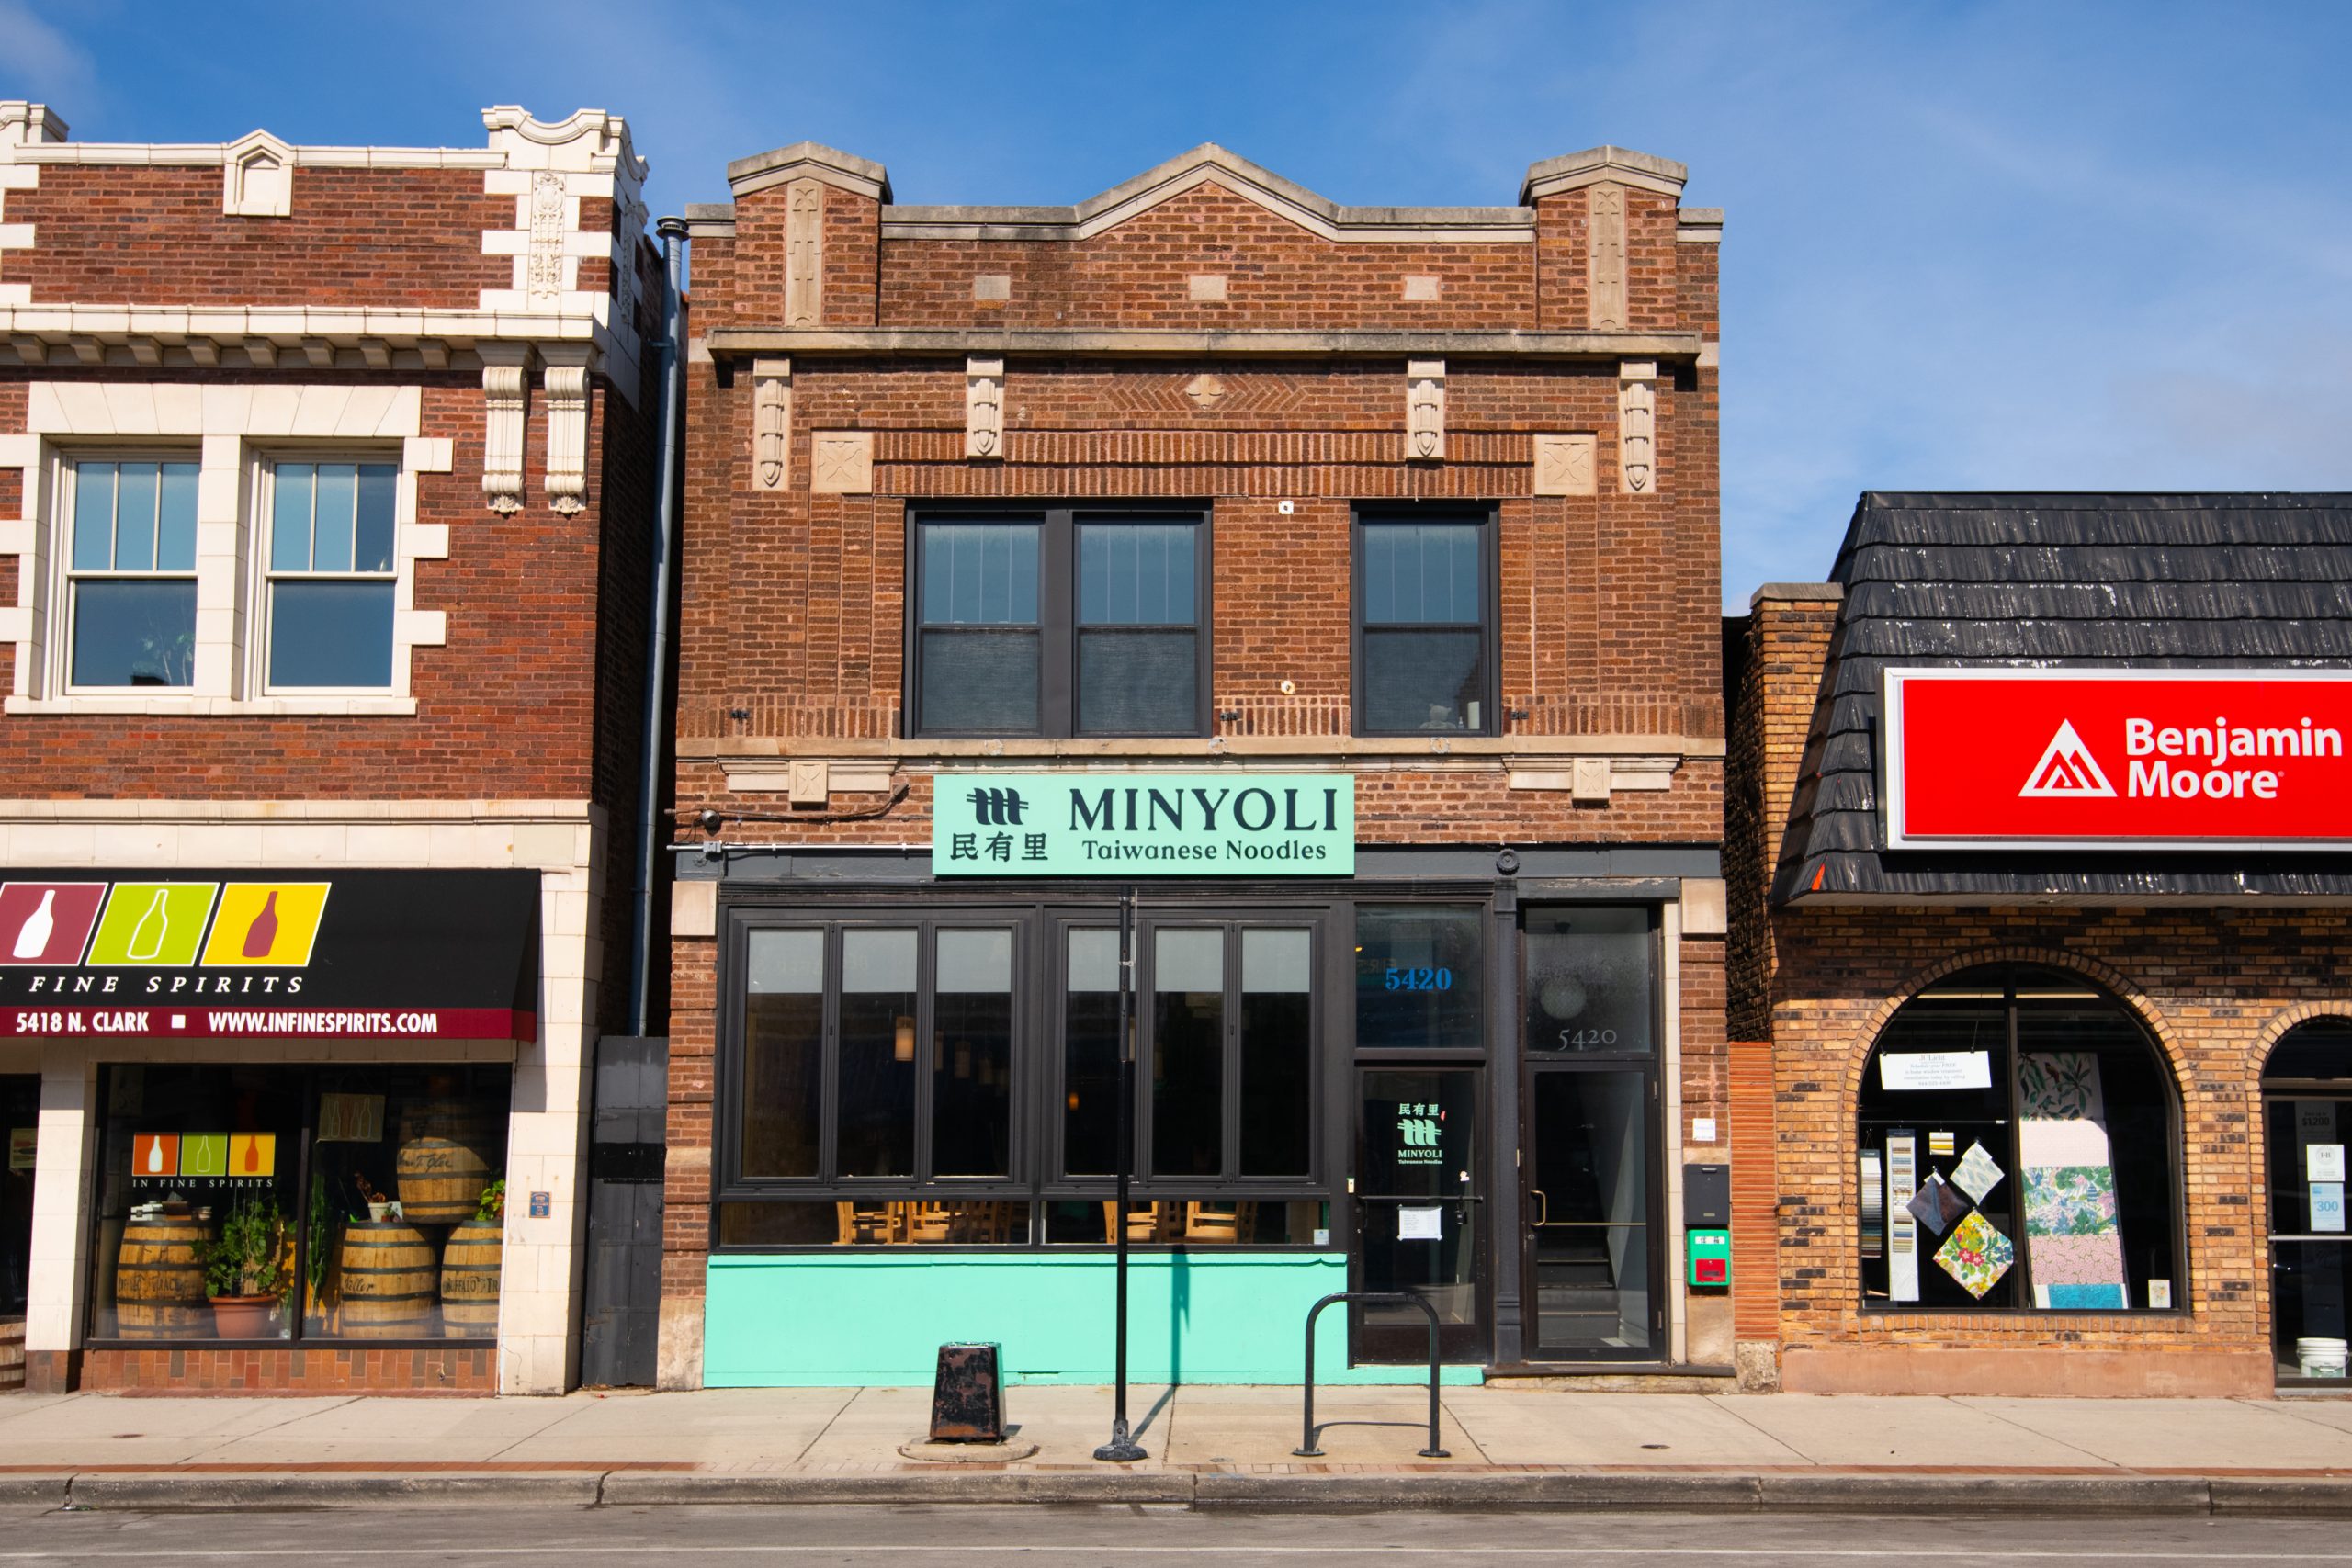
column 1218, row 824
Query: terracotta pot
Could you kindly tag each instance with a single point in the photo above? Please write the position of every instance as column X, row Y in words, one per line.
column 245, row 1317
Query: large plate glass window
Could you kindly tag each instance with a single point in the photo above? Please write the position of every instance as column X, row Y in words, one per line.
column 1421, row 978
column 328, row 580
column 2307, row 1123
column 258, row 1202
column 131, row 576
column 1231, row 1084
column 2019, row 1148
column 1425, row 624
column 1060, row 622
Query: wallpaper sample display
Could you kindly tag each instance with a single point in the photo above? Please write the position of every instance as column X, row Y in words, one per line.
column 2071, row 1236
column 1977, row 1255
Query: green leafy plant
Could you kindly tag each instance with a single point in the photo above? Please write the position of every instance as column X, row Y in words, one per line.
column 248, row 1257
column 493, row 1201
column 315, row 1251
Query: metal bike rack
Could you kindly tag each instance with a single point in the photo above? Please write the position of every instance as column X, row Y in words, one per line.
column 1307, row 1448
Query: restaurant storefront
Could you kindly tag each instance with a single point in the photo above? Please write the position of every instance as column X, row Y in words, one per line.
column 272, row 1117
column 1385, row 1075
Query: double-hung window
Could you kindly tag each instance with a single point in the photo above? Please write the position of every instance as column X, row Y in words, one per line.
column 1425, row 623
column 131, row 576
column 1060, row 622
column 329, row 576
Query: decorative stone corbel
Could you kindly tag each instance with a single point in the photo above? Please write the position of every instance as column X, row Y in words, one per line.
column 1424, row 411
column 566, row 379
column 1637, row 426
column 771, row 423
column 983, row 408
column 505, row 395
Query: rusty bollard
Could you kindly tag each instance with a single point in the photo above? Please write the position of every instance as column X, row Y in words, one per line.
column 967, row 1396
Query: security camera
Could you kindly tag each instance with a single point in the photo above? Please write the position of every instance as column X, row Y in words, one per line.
column 711, row 821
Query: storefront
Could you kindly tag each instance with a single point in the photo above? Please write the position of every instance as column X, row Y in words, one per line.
column 2057, row 976
column 1378, row 1072
column 273, row 1119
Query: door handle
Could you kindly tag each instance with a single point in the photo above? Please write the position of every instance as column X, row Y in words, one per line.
column 1543, row 1205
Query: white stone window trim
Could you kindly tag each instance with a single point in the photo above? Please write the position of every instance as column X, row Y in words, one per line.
column 227, row 424
column 66, row 486
column 259, row 603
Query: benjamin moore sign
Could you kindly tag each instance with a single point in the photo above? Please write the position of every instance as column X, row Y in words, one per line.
column 2180, row 758
column 1221, row 824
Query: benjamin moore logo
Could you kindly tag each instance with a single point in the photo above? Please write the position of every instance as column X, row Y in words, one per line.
column 998, row 807
column 2067, row 770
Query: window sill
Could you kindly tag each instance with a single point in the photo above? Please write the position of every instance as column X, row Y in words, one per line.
column 385, row 706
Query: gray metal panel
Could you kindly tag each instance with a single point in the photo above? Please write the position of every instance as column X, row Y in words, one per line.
column 622, row 1301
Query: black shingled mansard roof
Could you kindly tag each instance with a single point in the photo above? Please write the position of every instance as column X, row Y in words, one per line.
column 2052, row 581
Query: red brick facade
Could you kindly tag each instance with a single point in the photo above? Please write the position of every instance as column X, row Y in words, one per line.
column 1275, row 392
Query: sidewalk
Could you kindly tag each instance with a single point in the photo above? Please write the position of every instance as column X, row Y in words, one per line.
column 1206, row 1445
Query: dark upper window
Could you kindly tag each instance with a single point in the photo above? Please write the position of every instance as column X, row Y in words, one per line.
column 1425, row 623
column 1060, row 622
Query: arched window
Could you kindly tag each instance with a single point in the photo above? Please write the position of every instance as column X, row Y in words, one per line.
column 2020, row 1148
column 2307, row 1121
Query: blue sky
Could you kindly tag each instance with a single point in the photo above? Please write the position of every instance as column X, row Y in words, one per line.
column 1997, row 245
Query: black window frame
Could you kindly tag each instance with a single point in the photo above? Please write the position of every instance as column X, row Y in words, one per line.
column 1058, row 624
column 1039, row 920
column 1488, row 516
column 2013, row 977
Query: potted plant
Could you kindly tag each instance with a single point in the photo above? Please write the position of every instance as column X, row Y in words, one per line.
column 245, row 1271
column 379, row 1208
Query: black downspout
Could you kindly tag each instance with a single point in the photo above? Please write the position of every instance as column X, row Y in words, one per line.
column 669, row 411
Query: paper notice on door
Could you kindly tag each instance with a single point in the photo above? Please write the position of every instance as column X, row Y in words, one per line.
column 1420, row 1225
column 2327, row 1206
column 1902, row 1230
column 2324, row 1162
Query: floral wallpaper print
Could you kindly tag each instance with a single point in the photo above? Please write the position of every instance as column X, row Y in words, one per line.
column 2071, row 1236
column 1975, row 1255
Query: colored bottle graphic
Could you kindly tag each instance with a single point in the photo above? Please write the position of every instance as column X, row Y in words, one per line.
column 147, row 936
column 262, row 933
column 154, row 1157
column 253, row 1145
column 33, row 939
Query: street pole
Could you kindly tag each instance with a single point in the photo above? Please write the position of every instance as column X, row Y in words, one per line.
column 1122, row 1448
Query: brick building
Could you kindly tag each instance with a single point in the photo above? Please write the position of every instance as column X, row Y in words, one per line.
column 1342, row 578
column 326, row 474
column 2035, row 834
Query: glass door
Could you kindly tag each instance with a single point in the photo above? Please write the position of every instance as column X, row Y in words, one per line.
column 2307, row 1131
column 1592, row 1253
column 1420, row 1214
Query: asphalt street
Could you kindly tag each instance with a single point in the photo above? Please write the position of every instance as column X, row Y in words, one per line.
column 1099, row 1538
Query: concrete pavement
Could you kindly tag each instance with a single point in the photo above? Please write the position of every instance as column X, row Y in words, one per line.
column 1532, row 1447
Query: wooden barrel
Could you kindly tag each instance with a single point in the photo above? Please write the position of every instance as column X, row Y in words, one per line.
column 159, row 1279
column 447, row 1155
column 469, row 1265
column 386, row 1279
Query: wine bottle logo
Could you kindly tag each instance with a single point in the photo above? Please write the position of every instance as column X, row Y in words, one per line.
column 147, row 937
column 262, row 933
column 32, row 937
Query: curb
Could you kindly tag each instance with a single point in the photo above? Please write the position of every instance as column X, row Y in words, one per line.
column 1566, row 1491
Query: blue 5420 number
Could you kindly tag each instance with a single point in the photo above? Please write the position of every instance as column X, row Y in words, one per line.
column 1418, row 979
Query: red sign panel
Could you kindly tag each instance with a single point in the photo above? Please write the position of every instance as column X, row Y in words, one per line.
column 2169, row 759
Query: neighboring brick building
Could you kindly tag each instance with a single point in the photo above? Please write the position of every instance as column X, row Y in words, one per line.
column 1990, row 922
column 1015, row 536
column 324, row 500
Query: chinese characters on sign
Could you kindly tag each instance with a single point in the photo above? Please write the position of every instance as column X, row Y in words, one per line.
column 1127, row 825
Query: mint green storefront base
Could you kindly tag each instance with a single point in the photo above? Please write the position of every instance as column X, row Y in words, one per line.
column 877, row 1319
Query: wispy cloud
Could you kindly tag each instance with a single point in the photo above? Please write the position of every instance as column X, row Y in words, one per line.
column 36, row 60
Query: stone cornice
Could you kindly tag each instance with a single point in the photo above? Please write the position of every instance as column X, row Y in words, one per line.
column 1401, row 750
column 273, row 336
column 1158, row 342
column 1618, row 165
column 810, row 160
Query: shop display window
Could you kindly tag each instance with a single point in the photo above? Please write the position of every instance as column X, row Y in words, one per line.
column 262, row 1201
column 2019, row 1148
column 2307, row 1123
column 933, row 1081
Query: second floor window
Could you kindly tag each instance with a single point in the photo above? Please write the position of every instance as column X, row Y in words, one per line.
column 131, row 575
column 331, row 574
column 1425, row 624
column 1060, row 622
